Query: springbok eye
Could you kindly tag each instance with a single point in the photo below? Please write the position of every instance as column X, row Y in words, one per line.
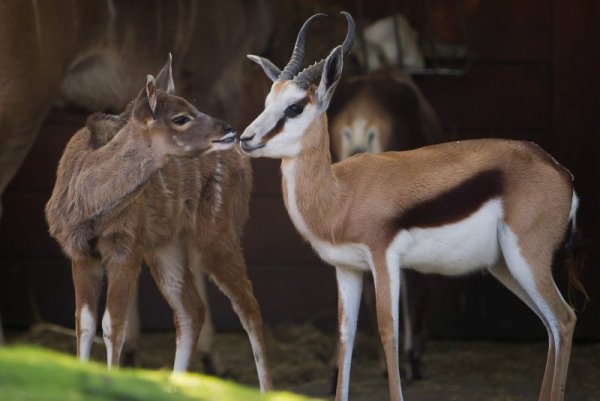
column 181, row 119
column 293, row 110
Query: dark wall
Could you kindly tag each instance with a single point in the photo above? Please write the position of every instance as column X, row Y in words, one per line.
column 534, row 76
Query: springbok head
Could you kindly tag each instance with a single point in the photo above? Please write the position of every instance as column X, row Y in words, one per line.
column 175, row 125
column 294, row 101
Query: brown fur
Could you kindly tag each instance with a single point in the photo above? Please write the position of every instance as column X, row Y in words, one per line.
column 125, row 190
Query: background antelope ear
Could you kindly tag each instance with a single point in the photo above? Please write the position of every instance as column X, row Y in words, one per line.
column 268, row 67
column 144, row 108
column 164, row 79
column 332, row 71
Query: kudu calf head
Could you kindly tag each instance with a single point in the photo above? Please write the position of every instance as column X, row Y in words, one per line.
column 174, row 125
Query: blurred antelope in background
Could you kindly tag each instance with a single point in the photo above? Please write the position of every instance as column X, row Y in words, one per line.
column 159, row 183
column 83, row 53
column 377, row 112
column 453, row 208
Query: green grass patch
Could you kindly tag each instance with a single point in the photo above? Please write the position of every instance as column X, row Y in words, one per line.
column 29, row 373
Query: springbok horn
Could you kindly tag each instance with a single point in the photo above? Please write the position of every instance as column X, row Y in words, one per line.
column 295, row 64
column 310, row 74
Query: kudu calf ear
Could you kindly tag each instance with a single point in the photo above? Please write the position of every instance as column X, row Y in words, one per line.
column 332, row 71
column 164, row 79
column 144, row 108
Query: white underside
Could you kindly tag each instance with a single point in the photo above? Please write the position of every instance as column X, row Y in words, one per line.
column 451, row 249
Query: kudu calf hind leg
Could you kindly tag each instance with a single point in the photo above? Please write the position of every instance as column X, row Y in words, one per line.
column 88, row 281
column 122, row 281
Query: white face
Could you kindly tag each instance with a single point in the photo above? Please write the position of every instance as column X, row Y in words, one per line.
column 277, row 131
column 360, row 136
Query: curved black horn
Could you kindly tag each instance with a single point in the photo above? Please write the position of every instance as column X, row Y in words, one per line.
column 310, row 74
column 295, row 64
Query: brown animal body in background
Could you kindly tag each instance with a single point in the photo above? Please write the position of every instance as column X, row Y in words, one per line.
column 454, row 208
column 159, row 183
column 84, row 53
column 376, row 112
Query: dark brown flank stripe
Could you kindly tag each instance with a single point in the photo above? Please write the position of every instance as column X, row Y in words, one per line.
column 276, row 130
column 453, row 205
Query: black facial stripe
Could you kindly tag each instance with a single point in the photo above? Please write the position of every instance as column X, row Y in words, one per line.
column 276, row 130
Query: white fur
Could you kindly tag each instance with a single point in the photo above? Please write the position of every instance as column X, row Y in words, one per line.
column 452, row 249
column 218, row 200
column 87, row 332
column 107, row 332
column 351, row 256
column 522, row 272
column 288, row 142
column 171, row 259
column 349, row 283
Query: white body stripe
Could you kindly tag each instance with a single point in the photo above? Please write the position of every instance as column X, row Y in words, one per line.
column 452, row 249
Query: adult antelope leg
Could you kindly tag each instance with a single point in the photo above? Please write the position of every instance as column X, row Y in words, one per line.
column 169, row 267
column 530, row 265
column 349, row 284
column 88, row 278
column 226, row 266
column 387, row 294
column 501, row 272
column 122, row 280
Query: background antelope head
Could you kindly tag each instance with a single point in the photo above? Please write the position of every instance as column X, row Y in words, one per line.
column 294, row 102
column 173, row 124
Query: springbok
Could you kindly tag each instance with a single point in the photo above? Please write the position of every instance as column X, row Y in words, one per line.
column 149, row 185
column 450, row 208
column 375, row 112
column 77, row 52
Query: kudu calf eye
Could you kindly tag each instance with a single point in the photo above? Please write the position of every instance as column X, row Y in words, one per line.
column 293, row 110
column 181, row 119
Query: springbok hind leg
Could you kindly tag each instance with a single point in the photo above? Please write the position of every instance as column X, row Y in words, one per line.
column 530, row 265
column 502, row 274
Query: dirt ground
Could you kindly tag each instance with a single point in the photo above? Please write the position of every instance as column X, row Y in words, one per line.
column 299, row 357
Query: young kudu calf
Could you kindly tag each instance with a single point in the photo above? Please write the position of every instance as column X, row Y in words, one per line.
column 451, row 209
column 159, row 183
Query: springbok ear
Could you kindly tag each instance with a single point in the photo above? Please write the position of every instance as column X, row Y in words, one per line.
column 268, row 67
column 332, row 71
column 164, row 79
column 144, row 108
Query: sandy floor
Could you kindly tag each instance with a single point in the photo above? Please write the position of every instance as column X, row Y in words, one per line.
column 299, row 356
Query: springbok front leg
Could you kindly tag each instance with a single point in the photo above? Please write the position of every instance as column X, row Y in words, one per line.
column 350, row 285
column 122, row 281
column 88, row 278
column 169, row 267
column 387, row 296
column 226, row 266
